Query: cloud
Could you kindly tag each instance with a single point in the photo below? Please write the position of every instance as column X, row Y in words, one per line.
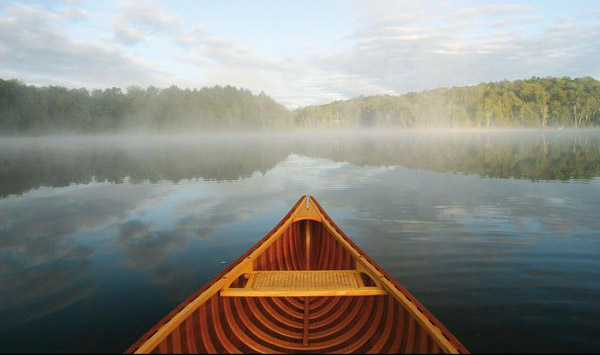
column 487, row 10
column 127, row 35
column 149, row 15
column 35, row 48
column 137, row 20
column 459, row 47
column 75, row 14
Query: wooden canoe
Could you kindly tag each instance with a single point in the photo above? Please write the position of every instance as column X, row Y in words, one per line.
column 304, row 288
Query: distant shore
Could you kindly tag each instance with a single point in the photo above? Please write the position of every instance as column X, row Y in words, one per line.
column 557, row 103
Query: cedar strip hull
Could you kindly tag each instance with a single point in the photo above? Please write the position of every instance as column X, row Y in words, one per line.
column 392, row 323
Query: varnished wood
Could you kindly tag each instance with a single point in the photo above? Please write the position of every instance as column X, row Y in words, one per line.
column 296, row 313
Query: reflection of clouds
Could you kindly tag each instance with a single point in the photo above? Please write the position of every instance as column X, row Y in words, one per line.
column 45, row 263
column 401, row 204
column 147, row 249
column 194, row 227
column 203, row 225
column 150, row 249
column 39, row 225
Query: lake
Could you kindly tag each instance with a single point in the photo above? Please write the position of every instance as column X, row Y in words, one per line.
column 497, row 233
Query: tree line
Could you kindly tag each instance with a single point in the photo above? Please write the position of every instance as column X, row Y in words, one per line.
column 26, row 108
column 535, row 102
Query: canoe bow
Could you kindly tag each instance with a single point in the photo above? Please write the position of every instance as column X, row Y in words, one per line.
column 304, row 287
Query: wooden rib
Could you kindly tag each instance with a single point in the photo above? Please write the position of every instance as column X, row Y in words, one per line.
column 410, row 337
column 291, row 259
column 297, row 302
column 346, row 334
column 275, row 251
column 284, row 262
column 289, row 312
column 238, row 332
column 333, row 302
column 360, row 341
column 319, row 302
column 291, row 255
column 423, row 341
column 400, row 336
column 285, row 301
column 336, row 322
column 176, row 341
column 262, row 318
column 206, row 339
column 190, row 336
column 162, row 347
column 275, row 313
column 387, row 330
column 217, row 326
column 299, row 252
column 265, row 336
column 326, row 254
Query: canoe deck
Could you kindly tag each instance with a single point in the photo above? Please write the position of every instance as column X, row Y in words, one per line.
column 304, row 288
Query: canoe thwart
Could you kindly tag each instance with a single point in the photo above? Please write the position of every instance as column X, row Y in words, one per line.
column 304, row 284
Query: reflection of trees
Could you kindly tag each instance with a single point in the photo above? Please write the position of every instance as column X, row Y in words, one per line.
column 27, row 166
column 531, row 155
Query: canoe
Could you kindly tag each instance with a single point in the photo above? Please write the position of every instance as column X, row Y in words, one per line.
column 303, row 288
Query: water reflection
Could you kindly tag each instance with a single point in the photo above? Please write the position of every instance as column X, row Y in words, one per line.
column 124, row 230
column 537, row 155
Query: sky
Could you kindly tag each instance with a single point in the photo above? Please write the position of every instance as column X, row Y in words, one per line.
column 300, row 52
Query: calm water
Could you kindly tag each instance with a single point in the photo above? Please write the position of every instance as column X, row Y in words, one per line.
column 497, row 233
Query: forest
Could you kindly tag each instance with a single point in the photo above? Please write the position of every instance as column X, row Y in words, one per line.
column 30, row 109
column 535, row 102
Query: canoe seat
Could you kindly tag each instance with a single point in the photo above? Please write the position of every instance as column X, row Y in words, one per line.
column 304, row 284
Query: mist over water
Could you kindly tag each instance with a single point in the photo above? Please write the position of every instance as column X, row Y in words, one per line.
column 496, row 232
column 58, row 161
